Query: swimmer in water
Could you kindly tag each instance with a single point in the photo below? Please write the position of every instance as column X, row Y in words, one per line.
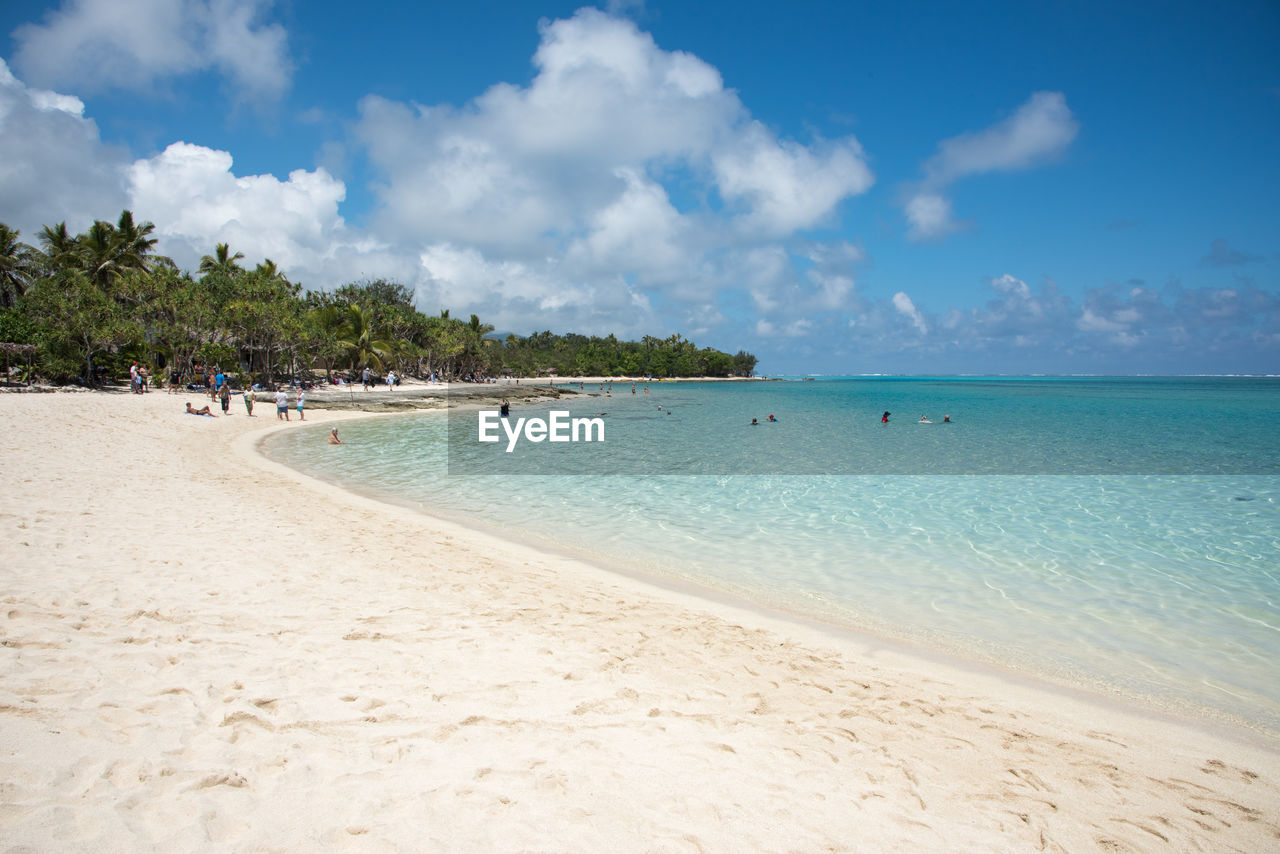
column 771, row 418
column 946, row 419
column 884, row 419
column 754, row 422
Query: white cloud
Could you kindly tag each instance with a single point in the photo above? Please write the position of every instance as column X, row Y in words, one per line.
column 903, row 304
column 787, row 186
column 639, row 231
column 1040, row 130
column 1012, row 285
column 607, row 107
column 196, row 200
column 53, row 164
column 929, row 215
column 625, row 169
column 97, row 45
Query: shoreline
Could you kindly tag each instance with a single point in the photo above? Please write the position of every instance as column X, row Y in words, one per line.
column 199, row 640
column 913, row 650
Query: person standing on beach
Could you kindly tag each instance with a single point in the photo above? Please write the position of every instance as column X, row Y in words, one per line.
column 282, row 404
column 248, row 401
column 225, row 397
column 302, row 398
column 364, row 379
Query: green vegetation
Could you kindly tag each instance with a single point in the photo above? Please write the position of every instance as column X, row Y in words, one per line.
column 93, row 303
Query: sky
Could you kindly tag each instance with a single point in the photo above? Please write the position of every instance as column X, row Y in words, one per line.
column 836, row 187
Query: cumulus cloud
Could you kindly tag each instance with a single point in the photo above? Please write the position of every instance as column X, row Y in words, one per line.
column 1038, row 131
column 786, row 186
column 53, row 163
column 929, row 215
column 607, row 111
column 904, row 306
column 98, row 45
column 195, row 199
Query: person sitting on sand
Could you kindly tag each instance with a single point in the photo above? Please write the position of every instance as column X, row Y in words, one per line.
column 333, row 437
column 204, row 410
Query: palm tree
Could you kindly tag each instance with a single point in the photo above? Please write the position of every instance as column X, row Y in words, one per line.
column 98, row 252
column 60, row 248
column 267, row 269
column 136, row 243
column 17, row 266
column 357, row 335
column 478, row 329
column 222, row 261
column 107, row 250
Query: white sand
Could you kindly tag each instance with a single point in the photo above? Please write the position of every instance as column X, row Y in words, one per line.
column 203, row 650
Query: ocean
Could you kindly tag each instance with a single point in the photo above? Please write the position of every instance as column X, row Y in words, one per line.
column 1116, row 534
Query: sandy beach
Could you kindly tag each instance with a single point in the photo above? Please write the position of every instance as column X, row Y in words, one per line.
column 204, row 650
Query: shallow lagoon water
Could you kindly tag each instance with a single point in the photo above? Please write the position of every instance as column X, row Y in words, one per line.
column 1155, row 585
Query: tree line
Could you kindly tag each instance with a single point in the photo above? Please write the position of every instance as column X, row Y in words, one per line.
column 90, row 304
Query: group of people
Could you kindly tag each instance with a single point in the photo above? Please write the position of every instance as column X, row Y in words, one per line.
column 367, row 379
column 282, row 404
column 223, row 396
column 924, row 419
column 138, row 378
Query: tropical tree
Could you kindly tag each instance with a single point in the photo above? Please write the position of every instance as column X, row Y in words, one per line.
column 17, row 266
column 60, row 248
column 222, row 261
column 360, row 340
column 106, row 251
column 323, row 327
column 77, row 320
column 267, row 268
column 264, row 319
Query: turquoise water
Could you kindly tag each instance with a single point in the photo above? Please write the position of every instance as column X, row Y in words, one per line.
column 1160, row 583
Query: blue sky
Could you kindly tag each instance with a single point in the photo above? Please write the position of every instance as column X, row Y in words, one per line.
column 836, row 187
